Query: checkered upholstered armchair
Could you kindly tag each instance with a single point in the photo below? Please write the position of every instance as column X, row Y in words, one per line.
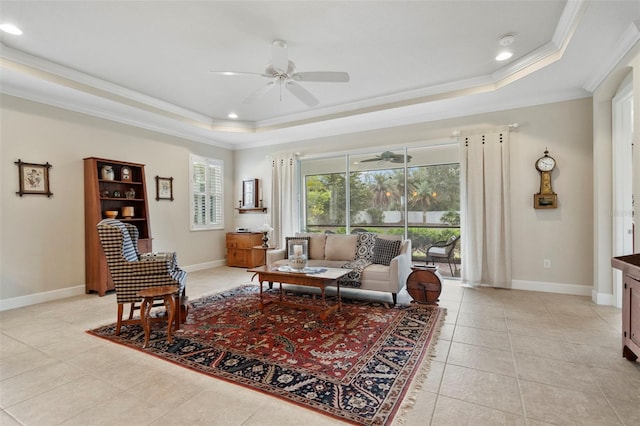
column 131, row 271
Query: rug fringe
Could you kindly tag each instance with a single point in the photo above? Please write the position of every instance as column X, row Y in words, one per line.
column 421, row 375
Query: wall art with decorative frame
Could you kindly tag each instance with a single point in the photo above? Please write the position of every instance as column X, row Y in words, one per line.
column 164, row 188
column 33, row 178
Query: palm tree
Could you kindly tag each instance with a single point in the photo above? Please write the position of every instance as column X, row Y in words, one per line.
column 422, row 197
column 379, row 188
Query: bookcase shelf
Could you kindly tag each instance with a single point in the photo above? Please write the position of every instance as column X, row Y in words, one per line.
column 101, row 195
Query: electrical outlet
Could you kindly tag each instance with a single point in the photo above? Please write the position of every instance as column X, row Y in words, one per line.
column 547, row 263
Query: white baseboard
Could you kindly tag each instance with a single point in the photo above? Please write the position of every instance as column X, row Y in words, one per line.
column 206, row 265
column 561, row 288
column 602, row 298
column 46, row 296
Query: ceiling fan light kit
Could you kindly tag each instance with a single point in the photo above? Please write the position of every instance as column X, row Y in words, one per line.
column 283, row 72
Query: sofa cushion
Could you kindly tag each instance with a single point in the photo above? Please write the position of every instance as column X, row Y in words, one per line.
column 384, row 250
column 340, row 247
column 316, row 244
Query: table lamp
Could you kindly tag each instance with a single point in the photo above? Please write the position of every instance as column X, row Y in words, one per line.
column 265, row 229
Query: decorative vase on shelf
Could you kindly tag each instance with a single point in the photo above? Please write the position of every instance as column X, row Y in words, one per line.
column 298, row 250
column 107, row 173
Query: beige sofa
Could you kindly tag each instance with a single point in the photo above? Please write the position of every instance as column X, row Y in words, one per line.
column 334, row 250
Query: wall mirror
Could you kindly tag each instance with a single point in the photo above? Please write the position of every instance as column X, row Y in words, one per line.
column 250, row 193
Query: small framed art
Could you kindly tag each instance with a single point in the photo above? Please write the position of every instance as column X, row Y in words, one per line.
column 33, row 178
column 250, row 193
column 164, row 188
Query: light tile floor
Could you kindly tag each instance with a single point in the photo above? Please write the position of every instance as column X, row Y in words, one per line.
column 503, row 357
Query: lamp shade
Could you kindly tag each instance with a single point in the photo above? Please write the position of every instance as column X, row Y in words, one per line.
column 265, row 228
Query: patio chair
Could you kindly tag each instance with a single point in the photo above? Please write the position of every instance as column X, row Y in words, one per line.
column 443, row 251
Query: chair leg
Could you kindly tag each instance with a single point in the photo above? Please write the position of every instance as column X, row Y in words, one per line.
column 119, row 322
column 394, row 296
column 177, row 299
column 450, row 268
column 131, row 309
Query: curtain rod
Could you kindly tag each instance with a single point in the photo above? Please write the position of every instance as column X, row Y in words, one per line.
column 456, row 133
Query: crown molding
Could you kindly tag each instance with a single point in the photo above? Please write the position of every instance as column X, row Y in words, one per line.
column 626, row 42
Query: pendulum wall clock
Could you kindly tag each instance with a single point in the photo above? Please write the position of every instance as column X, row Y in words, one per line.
column 546, row 198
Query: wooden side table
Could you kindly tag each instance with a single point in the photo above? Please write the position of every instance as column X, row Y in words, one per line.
column 263, row 253
column 424, row 284
column 148, row 296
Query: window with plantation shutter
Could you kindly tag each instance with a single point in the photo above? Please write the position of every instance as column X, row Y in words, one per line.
column 206, row 193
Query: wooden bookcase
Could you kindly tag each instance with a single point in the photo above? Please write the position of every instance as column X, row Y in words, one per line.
column 240, row 251
column 101, row 195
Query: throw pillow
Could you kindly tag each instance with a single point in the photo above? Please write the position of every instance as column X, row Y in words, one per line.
column 385, row 250
column 366, row 242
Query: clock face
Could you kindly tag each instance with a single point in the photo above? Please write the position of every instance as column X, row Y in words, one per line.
column 545, row 164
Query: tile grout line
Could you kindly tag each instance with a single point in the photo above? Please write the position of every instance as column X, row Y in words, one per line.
column 515, row 367
column 435, row 404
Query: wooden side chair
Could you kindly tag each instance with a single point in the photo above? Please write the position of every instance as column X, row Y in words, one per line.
column 443, row 251
column 132, row 272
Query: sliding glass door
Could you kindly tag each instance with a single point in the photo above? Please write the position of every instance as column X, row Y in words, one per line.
column 414, row 192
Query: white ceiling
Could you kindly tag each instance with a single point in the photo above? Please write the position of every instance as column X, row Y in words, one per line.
column 148, row 63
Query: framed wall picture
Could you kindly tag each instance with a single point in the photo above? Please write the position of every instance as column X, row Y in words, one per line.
column 33, row 178
column 250, row 193
column 164, row 188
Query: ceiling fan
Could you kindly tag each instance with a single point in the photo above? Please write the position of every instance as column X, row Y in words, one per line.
column 388, row 156
column 283, row 74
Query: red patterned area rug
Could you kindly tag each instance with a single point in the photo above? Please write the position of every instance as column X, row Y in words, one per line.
column 357, row 366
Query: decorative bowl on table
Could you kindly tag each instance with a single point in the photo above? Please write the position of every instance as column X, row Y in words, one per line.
column 111, row 214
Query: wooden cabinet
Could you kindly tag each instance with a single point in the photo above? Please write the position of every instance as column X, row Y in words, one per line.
column 630, row 267
column 124, row 191
column 240, row 250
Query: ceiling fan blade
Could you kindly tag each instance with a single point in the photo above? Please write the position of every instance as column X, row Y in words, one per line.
column 368, row 160
column 322, row 76
column 279, row 55
column 259, row 93
column 234, row 73
column 301, row 93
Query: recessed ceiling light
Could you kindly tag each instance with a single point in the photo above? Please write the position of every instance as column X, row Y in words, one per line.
column 10, row 28
column 232, row 115
column 503, row 56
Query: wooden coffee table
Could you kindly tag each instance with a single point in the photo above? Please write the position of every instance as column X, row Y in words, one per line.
column 321, row 279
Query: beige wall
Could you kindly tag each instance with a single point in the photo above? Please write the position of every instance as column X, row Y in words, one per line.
column 563, row 235
column 42, row 239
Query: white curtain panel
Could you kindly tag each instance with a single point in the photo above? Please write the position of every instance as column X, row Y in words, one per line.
column 485, row 204
column 284, row 198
